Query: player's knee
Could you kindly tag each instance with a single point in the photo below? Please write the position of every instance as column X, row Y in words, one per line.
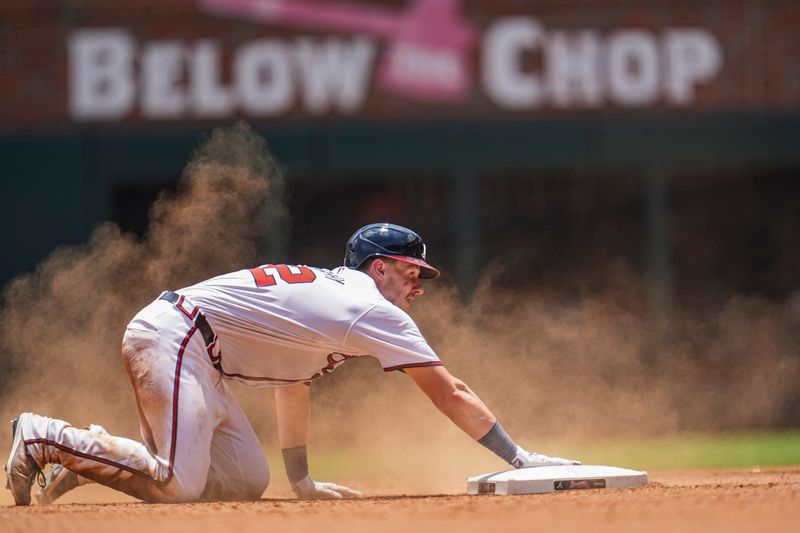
column 176, row 492
column 256, row 483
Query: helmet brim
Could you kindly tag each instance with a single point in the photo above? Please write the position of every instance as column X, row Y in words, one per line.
column 426, row 271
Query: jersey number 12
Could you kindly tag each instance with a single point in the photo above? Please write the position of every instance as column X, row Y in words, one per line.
column 265, row 274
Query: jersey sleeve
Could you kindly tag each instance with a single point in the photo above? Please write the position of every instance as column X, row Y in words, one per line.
column 387, row 333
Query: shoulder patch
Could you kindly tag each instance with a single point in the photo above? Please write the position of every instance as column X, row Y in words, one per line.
column 333, row 277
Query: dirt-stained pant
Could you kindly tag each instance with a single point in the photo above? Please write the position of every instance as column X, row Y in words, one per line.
column 198, row 443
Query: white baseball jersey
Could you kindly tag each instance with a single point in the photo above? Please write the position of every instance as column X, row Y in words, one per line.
column 274, row 325
column 280, row 324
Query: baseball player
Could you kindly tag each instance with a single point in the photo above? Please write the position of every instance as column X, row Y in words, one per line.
column 278, row 326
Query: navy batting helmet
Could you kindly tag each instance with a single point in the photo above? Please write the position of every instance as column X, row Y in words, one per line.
column 388, row 240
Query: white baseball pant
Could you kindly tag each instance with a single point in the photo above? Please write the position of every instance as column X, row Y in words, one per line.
column 199, row 444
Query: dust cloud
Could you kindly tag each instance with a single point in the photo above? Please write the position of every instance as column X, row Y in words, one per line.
column 554, row 370
column 61, row 326
column 562, row 375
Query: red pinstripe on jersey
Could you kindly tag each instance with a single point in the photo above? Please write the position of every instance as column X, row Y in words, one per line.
column 413, row 365
column 333, row 362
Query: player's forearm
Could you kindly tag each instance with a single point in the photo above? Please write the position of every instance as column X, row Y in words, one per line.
column 467, row 411
column 475, row 419
column 293, row 413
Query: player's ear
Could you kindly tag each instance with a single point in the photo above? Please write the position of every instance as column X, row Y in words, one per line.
column 379, row 266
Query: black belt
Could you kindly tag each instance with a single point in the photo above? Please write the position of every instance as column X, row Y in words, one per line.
column 199, row 320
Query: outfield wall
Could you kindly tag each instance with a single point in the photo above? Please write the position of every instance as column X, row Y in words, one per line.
column 432, row 111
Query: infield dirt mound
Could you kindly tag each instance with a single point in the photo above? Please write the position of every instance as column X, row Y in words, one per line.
column 727, row 501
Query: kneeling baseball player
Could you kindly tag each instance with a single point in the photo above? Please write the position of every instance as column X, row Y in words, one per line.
column 276, row 326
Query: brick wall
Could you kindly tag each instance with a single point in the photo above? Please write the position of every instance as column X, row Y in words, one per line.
column 759, row 43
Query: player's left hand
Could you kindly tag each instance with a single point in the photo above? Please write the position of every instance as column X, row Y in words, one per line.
column 308, row 489
column 526, row 459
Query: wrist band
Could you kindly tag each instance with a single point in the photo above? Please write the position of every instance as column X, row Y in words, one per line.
column 500, row 443
column 295, row 460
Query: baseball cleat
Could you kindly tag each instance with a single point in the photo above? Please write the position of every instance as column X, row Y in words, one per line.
column 21, row 469
column 58, row 482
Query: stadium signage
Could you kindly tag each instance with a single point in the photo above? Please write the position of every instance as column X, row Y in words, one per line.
column 111, row 75
column 586, row 69
column 523, row 66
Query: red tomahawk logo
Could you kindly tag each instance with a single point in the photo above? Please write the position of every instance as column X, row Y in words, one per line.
column 429, row 42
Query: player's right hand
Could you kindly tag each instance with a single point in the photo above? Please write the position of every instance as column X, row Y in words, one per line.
column 308, row 489
column 526, row 459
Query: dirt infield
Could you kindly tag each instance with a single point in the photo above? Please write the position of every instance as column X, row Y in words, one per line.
column 741, row 500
